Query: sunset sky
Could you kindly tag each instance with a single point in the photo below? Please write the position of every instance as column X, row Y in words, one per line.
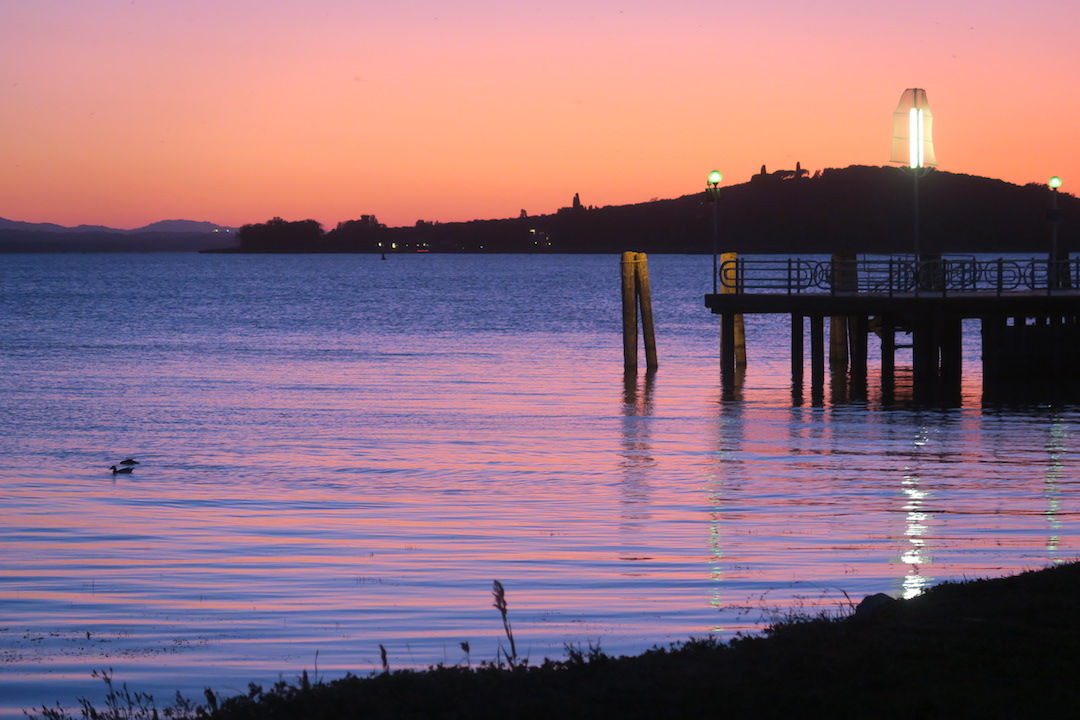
column 124, row 112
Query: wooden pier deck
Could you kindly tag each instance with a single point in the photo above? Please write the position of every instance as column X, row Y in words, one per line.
column 1029, row 313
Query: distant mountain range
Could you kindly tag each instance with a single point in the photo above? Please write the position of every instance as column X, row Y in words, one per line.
column 162, row 236
column 168, row 226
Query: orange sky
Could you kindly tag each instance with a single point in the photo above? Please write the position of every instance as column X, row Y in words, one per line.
column 124, row 112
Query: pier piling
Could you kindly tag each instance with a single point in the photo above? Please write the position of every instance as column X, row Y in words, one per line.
column 629, row 311
column 637, row 295
column 731, row 284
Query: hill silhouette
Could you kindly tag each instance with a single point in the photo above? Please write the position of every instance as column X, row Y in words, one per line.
column 162, row 236
column 855, row 209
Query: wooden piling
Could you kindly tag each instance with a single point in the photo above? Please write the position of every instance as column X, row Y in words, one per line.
column 797, row 349
column 844, row 279
column 727, row 350
column 858, row 329
column 951, row 348
column 925, row 357
column 629, row 311
column 888, row 350
column 636, row 294
column 838, row 344
column 644, row 294
column 730, row 275
column 817, row 353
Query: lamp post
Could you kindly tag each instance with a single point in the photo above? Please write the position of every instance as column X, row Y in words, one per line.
column 1054, row 216
column 713, row 193
column 913, row 146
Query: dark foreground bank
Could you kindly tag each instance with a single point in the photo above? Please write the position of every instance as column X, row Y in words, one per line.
column 1007, row 647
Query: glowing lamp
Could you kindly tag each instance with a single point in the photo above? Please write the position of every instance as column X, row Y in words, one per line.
column 1055, row 183
column 912, row 142
column 715, row 177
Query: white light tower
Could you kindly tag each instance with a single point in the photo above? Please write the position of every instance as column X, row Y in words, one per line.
column 913, row 144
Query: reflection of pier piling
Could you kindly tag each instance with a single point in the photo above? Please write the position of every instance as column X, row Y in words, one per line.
column 1030, row 326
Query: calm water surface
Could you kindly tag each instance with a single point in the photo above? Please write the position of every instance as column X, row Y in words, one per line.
column 338, row 452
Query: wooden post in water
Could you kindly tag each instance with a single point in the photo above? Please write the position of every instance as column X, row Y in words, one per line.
column 817, row 353
column 858, row 331
column 926, row 357
column 727, row 352
column 844, row 279
column 797, row 349
column 645, row 300
column 838, row 344
column 817, row 360
column 729, row 274
column 629, row 311
column 888, row 350
column 952, row 354
column 637, row 293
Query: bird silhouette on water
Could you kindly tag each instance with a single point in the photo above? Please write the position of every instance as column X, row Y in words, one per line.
column 116, row 470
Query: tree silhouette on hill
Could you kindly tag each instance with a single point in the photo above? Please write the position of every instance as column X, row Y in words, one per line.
column 277, row 235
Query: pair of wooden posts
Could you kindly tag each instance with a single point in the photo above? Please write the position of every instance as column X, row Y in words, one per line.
column 635, row 294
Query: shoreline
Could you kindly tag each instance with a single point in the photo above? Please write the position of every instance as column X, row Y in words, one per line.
column 1000, row 647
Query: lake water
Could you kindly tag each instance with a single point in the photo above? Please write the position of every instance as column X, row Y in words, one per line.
column 338, row 452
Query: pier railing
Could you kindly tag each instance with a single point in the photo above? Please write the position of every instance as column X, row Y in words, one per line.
column 900, row 275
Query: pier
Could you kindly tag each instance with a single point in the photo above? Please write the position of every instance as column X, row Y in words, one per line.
column 1029, row 312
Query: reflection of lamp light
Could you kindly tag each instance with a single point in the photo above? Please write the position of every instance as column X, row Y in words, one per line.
column 916, row 553
column 713, row 192
column 1056, row 444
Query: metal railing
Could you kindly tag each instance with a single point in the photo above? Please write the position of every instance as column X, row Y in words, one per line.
column 900, row 275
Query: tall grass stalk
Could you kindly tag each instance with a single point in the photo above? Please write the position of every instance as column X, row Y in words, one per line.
column 500, row 605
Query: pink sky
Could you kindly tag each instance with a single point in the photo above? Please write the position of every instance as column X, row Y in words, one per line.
column 124, row 112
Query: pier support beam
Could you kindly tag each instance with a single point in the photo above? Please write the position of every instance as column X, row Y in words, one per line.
column 924, row 355
column 858, row 328
column 838, row 344
column 887, row 331
column 797, row 349
column 727, row 350
column 952, row 360
column 845, row 279
column 817, row 355
column 937, row 359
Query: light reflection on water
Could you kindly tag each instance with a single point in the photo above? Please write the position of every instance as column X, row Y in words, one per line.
column 338, row 453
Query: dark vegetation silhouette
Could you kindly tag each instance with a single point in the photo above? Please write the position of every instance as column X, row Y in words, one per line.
column 1000, row 648
column 279, row 235
column 855, row 209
